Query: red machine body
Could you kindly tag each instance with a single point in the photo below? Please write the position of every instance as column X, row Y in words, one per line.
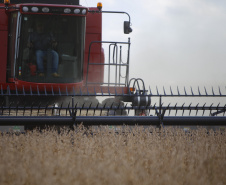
column 14, row 64
column 4, row 44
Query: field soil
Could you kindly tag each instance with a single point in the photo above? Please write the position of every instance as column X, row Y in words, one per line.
column 136, row 156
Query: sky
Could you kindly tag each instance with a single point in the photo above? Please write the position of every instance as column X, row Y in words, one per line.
column 174, row 42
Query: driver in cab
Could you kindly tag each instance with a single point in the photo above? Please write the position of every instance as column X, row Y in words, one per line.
column 43, row 44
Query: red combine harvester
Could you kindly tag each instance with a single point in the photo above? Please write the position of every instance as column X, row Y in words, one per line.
column 54, row 68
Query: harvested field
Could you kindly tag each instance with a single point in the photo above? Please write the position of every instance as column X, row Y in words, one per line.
column 137, row 157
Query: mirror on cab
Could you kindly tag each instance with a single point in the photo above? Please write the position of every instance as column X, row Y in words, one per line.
column 127, row 28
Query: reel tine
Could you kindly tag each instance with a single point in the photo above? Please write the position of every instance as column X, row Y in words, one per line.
column 76, row 108
column 10, row 108
column 95, row 109
column 203, row 109
column 88, row 109
column 178, row 91
column 176, row 109
column 24, row 109
column 218, row 107
column 224, row 109
column 61, row 106
column 53, row 109
column 219, row 90
column 199, row 91
column 38, row 108
column 192, row 92
column 164, row 90
column 213, row 91
column 118, row 107
column 45, row 90
column 8, row 90
column 52, row 91
column 126, row 108
column 171, row 91
column 150, row 90
column 59, row 91
column 156, row 111
column 210, row 108
column 205, row 91
column 189, row 107
column 31, row 108
column 103, row 108
column 46, row 108
column 38, row 91
column 111, row 105
column 101, row 111
column 196, row 108
column 185, row 92
column 82, row 108
column 31, row 93
column 68, row 108
column 157, row 90
column 182, row 109
column 149, row 112
column 17, row 108
column 114, row 111
column 108, row 112
column 2, row 107
column 169, row 108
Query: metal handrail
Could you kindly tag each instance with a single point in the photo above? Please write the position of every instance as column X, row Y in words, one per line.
column 118, row 75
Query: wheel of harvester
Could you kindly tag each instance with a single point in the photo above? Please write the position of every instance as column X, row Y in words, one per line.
column 114, row 103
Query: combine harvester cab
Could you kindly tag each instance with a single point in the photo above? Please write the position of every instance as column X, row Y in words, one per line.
column 54, row 71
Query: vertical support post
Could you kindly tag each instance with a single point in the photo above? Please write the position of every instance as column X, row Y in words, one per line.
column 109, row 61
column 120, row 62
column 127, row 68
column 115, row 56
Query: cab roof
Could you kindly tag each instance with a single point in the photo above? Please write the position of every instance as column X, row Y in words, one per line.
column 65, row 2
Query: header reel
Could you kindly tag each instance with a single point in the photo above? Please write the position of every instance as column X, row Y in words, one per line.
column 88, row 108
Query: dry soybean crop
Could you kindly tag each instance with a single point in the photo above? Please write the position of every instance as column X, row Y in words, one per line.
column 135, row 156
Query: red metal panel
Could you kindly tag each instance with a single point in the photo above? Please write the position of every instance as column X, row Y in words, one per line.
column 94, row 33
column 3, row 19
column 94, row 22
column 96, row 56
column 3, row 44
